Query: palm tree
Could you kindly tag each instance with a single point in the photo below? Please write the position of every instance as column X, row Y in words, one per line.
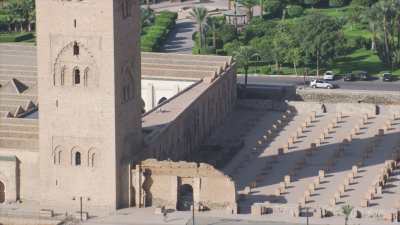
column 248, row 4
column 200, row 16
column 244, row 56
column 346, row 210
column 372, row 17
column 213, row 26
column 385, row 10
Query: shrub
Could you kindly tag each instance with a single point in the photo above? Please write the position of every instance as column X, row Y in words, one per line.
column 203, row 51
column 274, row 7
column 227, row 33
column 153, row 36
column 311, row 2
column 294, row 10
column 15, row 37
column 364, row 2
column 337, row 3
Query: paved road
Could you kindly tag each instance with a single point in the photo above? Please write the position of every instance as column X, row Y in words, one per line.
column 180, row 38
column 376, row 85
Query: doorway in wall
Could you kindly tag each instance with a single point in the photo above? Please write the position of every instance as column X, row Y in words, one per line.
column 185, row 197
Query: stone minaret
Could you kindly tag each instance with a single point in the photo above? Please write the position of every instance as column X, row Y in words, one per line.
column 89, row 94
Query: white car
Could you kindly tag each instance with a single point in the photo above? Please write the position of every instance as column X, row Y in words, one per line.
column 321, row 84
column 329, row 75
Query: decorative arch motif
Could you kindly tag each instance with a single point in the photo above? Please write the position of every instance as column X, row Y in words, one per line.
column 92, row 158
column 75, row 55
column 58, row 155
column 128, row 91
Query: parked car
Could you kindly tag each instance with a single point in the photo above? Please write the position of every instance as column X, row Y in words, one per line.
column 363, row 75
column 349, row 77
column 329, row 75
column 321, row 84
column 387, row 77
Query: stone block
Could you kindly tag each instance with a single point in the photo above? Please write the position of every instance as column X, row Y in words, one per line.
column 311, row 187
column 317, row 181
column 332, row 202
column 159, row 210
column 379, row 190
column 354, row 169
column 287, row 180
column 286, row 147
column 364, row 203
column 46, row 213
column 247, row 190
column 389, row 216
column 313, row 146
column 282, row 185
column 300, row 130
column 321, row 174
column 256, row 210
column 278, row 192
column 291, row 140
column 302, row 201
column 381, row 132
column 342, row 189
column 307, row 194
column 317, row 142
column 81, row 215
column 337, row 196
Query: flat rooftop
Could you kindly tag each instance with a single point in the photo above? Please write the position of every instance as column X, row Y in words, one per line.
column 18, row 88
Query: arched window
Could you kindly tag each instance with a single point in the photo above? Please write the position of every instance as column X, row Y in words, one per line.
column 163, row 99
column 76, row 48
column 77, row 76
column 77, row 158
column 62, row 75
column 60, row 157
column 92, row 160
column 86, row 77
column 92, row 157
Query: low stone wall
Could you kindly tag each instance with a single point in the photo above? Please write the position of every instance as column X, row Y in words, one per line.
column 349, row 96
column 262, row 104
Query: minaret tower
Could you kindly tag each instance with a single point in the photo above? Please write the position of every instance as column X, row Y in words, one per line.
column 89, row 94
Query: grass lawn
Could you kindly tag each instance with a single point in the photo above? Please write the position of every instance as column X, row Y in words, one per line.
column 334, row 12
column 361, row 59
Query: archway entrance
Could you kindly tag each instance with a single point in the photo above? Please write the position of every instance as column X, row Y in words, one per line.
column 2, row 192
column 185, row 197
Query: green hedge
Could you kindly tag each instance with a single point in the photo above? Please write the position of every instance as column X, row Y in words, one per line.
column 156, row 34
column 15, row 37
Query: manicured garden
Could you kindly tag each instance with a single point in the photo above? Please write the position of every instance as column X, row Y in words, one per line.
column 295, row 36
column 155, row 31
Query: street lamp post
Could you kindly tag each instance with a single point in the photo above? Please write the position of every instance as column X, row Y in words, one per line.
column 193, row 213
column 80, row 206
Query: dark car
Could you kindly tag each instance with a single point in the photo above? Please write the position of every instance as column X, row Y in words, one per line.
column 349, row 77
column 387, row 77
column 363, row 75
